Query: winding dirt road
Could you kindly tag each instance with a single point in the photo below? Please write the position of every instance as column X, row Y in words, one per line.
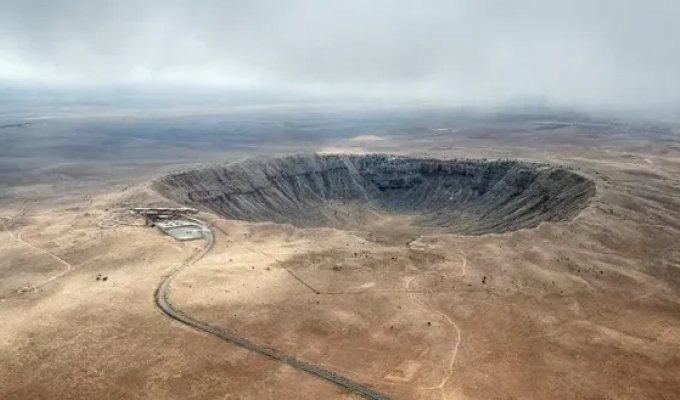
column 441, row 387
column 38, row 285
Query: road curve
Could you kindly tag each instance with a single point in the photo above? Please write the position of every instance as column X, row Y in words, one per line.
column 164, row 304
column 40, row 284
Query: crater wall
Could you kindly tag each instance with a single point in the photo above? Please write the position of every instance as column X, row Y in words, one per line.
column 463, row 196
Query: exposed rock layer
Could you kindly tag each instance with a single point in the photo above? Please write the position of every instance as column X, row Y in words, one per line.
column 464, row 196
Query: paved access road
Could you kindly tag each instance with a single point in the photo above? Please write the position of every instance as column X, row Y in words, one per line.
column 164, row 304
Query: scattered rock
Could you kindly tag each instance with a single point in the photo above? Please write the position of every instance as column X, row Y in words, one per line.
column 26, row 289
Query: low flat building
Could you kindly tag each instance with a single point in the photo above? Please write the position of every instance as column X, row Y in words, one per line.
column 181, row 229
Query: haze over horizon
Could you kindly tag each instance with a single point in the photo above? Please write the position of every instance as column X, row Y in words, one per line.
column 565, row 53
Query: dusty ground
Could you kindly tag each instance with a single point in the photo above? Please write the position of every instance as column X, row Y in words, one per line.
column 585, row 309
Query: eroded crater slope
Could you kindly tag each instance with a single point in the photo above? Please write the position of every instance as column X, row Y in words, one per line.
column 463, row 196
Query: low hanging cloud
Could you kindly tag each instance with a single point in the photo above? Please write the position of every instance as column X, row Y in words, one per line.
column 577, row 52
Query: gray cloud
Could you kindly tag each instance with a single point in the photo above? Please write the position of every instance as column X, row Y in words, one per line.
column 467, row 51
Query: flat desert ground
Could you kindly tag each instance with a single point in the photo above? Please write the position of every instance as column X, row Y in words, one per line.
column 585, row 308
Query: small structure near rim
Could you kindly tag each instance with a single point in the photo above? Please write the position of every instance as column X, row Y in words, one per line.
column 169, row 221
column 155, row 213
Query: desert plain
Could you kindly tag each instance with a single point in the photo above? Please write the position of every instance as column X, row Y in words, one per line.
column 583, row 306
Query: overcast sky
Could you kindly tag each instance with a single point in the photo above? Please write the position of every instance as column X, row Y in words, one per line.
column 576, row 52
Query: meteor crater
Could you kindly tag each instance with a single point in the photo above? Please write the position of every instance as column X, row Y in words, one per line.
column 470, row 197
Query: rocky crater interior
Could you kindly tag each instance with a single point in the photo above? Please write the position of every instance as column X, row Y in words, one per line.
column 463, row 196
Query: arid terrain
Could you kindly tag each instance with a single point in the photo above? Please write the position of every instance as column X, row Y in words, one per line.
column 583, row 304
